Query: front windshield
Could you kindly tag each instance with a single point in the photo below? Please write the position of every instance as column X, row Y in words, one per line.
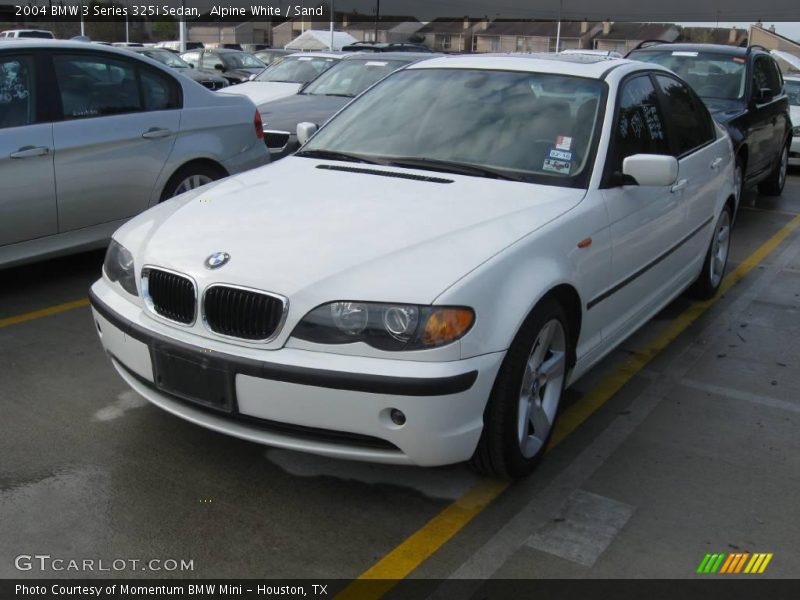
column 168, row 58
column 530, row 126
column 351, row 77
column 711, row 75
column 241, row 60
column 297, row 69
column 793, row 91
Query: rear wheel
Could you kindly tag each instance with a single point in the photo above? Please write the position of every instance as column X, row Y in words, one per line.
column 773, row 185
column 523, row 406
column 716, row 261
column 190, row 177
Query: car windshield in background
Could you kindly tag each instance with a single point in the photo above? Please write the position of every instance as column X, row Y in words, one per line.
column 241, row 60
column 166, row 57
column 711, row 75
column 351, row 77
column 44, row 35
column 793, row 91
column 297, row 69
column 509, row 125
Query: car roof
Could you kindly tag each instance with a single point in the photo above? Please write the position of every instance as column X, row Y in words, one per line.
column 379, row 56
column 69, row 44
column 578, row 65
column 715, row 48
column 319, row 54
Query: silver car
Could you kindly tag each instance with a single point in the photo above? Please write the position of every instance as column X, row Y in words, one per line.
column 91, row 136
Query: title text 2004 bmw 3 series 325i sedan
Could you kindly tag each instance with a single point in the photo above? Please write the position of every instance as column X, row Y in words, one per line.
column 473, row 234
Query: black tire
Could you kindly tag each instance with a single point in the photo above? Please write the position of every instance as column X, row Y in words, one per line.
column 202, row 170
column 773, row 184
column 707, row 283
column 499, row 452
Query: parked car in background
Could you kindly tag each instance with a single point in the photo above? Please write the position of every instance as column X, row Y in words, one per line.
column 128, row 44
column 792, row 83
column 273, row 55
column 212, row 81
column 175, row 45
column 234, row 65
column 385, row 47
column 589, row 52
column 114, row 134
column 42, row 34
column 743, row 89
column 287, row 77
column 473, row 234
column 323, row 97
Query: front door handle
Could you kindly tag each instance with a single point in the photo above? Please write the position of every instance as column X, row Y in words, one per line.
column 679, row 186
column 716, row 163
column 155, row 133
column 30, row 152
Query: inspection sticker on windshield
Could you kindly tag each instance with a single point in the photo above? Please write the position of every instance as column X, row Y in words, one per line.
column 556, row 166
column 683, row 53
column 375, row 63
column 562, row 154
column 563, row 142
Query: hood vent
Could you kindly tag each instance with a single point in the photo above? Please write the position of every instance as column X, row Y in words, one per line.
column 385, row 173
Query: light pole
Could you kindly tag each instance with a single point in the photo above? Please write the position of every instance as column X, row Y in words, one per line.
column 332, row 17
column 377, row 17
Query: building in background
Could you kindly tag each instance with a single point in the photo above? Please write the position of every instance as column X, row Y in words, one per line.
column 725, row 36
column 772, row 40
column 451, row 35
column 623, row 37
column 533, row 36
column 388, row 29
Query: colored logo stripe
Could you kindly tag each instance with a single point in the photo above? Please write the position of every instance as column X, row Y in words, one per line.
column 734, row 562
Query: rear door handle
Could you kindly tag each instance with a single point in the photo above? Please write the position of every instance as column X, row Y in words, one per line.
column 679, row 186
column 30, row 152
column 716, row 163
column 155, row 133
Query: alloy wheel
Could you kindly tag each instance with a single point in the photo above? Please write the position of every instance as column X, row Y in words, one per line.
column 720, row 248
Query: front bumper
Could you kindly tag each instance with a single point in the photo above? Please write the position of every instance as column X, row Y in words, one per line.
column 328, row 404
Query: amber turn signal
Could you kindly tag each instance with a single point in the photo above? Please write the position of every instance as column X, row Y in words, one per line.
column 446, row 325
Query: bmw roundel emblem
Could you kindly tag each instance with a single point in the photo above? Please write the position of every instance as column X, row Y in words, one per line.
column 216, row 260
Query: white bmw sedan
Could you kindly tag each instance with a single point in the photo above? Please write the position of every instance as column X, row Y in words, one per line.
column 474, row 233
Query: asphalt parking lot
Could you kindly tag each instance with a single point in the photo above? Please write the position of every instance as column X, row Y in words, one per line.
column 681, row 443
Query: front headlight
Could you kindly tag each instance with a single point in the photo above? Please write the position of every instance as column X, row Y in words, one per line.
column 118, row 267
column 385, row 326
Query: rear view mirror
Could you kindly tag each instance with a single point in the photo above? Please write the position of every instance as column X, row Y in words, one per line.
column 651, row 169
column 305, row 131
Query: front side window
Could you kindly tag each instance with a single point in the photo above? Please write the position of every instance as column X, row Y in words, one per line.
column 793, row 91
column 297, row 69
column 16, row 91
column 95, row 86
column 688, row 118
column 192, row 58
column 210, row 60
column 639, row 124
column 709, row 74
column 766, row 76
column 529, row 126
column 241, row 60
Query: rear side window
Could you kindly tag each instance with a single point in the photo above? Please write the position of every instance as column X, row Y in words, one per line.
column 687, row 116
column 17, row 106
column 639, row 125
column 97, row 86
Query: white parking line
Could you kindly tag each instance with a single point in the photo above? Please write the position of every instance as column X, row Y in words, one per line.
column 727, row 392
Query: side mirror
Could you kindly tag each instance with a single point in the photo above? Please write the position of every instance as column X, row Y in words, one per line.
column 762, row 95
column 191, row 65
column 305, row 131
column 651, row 169
column 219, row 66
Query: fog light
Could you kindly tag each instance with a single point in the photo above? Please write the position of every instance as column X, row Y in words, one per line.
column 397, row 417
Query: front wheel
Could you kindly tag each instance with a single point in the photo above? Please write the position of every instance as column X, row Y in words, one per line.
column 710, row 278
column 522, row 409
column 773, row 185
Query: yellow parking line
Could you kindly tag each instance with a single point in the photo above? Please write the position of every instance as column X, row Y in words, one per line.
column 417, row 548
column 44, row 312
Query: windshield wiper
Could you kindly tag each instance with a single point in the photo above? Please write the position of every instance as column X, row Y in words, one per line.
column 447, row 166
column 333, row 155
column 336, row 95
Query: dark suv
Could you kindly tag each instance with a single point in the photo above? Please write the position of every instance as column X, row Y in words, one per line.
column 743, row 89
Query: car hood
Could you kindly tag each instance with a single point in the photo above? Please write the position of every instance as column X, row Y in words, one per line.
column 286, row 113
column 313, row 234
column 724, row 110
column 196, row 75
column 263, row 91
